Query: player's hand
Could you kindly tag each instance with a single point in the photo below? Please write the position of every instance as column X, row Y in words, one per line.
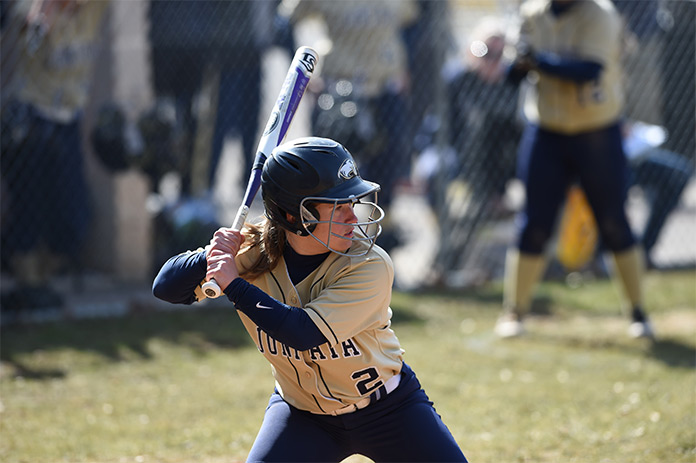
column 524, row 64
column 220, row 254
column 525, row 60
column 226, row 240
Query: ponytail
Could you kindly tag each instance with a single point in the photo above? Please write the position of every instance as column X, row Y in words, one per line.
column 270, row 238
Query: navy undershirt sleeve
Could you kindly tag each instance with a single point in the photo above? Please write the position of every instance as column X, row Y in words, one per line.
column 565, row 68
column 290, row 325
column 514, row 75
column 179, row 276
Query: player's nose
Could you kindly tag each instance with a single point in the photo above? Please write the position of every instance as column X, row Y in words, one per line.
column 351, row 217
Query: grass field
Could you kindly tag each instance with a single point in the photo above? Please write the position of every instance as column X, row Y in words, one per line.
column 189, row 386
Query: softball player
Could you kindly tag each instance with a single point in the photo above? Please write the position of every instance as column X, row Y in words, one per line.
column 313, row 291
column 574, row 135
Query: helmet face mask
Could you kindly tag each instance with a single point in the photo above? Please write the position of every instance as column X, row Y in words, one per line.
column 301, row 175
column 365, row 230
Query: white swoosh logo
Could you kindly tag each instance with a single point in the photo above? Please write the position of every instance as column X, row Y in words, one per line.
column 259, row 306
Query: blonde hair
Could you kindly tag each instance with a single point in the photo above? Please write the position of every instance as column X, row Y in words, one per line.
column 270, row 238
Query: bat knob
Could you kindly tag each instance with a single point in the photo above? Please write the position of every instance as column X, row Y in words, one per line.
column 211, row 289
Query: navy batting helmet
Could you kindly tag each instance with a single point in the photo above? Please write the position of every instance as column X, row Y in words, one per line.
column 313, row 170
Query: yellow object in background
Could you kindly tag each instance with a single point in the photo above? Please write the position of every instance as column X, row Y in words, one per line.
column 577, row 239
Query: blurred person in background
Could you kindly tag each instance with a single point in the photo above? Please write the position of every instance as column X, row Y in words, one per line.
column 659, row 171
column 240, row 59
column 659, row 62
column 207, row 62
column 661, row 174
column 644, row 35
column 484, row 122
column 679, row 74
column 180, row 46
column 362, row 86
column 213, row 48
column 55, row 44
column 570, row 51
column 429, row 39
column 484, row 129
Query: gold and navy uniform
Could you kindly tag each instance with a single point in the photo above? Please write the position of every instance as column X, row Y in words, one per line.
column 348, row 299
column 350, row 394
column 589, row 30
column 574, row 119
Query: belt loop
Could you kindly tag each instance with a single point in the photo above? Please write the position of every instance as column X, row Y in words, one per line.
column 379, row 394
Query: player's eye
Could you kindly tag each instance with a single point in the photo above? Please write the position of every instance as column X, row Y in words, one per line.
column 345, row 208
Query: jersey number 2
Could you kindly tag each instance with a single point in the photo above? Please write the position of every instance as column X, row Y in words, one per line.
column 367, row 376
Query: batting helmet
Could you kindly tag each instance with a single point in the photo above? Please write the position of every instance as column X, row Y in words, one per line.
column 312, row 170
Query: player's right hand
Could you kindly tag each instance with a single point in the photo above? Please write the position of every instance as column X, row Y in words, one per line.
column 525, row 60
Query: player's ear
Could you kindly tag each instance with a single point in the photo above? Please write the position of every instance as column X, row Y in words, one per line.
column 310, row 215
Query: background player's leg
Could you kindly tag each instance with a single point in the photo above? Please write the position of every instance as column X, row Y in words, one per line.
column 604, row 175
column 522, row 273
column 630, row 265
column 542, row 168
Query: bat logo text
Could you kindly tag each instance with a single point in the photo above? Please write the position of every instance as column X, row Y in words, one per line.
column 308, row 61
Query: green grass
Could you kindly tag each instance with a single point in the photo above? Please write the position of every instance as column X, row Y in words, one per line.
column 189, row 386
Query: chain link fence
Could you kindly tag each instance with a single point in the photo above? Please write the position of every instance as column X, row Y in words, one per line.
column 128, row 128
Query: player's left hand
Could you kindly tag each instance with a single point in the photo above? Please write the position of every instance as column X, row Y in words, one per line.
column 226, row 240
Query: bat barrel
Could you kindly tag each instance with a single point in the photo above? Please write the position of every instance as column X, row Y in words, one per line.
column 301, row 69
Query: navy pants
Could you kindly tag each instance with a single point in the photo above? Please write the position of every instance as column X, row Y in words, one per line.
column 402, row 427
column 549, row 163
column 46, row 187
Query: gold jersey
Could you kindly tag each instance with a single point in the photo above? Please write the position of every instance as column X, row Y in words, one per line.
column 55, row 70
column 589, row 30
column 348, row 299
